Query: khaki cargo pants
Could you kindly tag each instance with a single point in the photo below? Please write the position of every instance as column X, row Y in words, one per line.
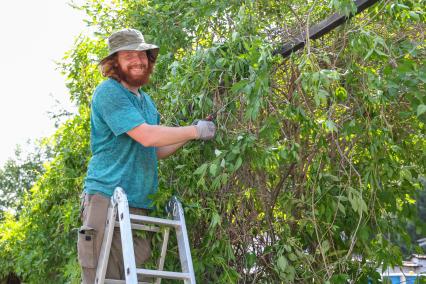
column 91, row 234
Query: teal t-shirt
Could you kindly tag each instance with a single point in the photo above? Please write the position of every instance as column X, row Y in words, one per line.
column 117, row 159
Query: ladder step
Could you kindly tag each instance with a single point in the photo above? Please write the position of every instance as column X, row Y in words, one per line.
column 155, row 221
column 113, row 281
column 141, row 227
column 163, row 274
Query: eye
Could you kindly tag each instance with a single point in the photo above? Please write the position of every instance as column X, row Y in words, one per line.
column 129, row 55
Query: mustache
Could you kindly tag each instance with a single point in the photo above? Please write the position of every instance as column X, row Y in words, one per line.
column 141, row 66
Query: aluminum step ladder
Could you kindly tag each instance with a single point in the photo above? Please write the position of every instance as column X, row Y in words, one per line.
column 119, row 205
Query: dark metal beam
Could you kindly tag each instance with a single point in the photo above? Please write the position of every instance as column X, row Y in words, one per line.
column 322, row 28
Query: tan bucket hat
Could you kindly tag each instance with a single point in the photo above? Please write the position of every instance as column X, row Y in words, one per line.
column 130, row 39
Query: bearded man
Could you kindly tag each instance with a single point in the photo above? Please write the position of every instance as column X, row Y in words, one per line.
column 126, row 141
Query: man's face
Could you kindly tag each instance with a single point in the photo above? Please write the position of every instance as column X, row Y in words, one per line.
column 134, row 67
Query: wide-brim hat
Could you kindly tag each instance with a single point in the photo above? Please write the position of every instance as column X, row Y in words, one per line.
column 130, row 39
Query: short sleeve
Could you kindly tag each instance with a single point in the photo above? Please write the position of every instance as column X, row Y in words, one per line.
column 117, row 110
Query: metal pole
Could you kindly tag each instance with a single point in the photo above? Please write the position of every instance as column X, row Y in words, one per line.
column 322, row 28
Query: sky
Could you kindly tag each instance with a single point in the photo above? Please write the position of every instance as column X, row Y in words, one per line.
column 33, row 35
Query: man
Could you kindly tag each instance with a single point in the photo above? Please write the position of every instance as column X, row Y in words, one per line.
column 126, row 142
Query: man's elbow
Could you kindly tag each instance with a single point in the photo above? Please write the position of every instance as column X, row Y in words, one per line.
column 146, row 142
column 160, row 155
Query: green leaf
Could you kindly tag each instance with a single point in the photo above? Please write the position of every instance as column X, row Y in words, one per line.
column 292, row 257
column 201, row 170
column 237, row 87
column 282, row 263
column 325, row 246
column 213, row 169
column 235, row 35
column 414, row 15
column 421, row 109
column 215, row 220
column 331, row 126
column 341, row 93
column 250, row 259
column 321, row 97
column 220, row 62
column 370, row 52
column 341, row 208
column 238, row 163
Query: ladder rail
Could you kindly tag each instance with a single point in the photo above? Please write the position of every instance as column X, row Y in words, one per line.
column 183, row 241
column 126, row 236
column 106, row 245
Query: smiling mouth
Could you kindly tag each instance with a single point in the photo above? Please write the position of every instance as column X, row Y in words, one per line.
column 137, row 70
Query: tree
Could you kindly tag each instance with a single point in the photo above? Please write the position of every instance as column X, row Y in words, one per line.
column 318, row 158
column 18, row 175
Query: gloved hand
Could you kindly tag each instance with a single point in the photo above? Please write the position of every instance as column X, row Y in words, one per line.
column 205, row 129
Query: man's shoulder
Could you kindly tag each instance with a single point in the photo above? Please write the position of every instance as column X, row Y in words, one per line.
column 108, row 88
column 108, row 85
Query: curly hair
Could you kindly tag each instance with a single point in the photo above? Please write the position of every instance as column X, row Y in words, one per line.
column 109, row 65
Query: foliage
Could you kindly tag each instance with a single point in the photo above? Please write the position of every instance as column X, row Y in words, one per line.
column 39, row 247
column 318, row 159
column 19, row 174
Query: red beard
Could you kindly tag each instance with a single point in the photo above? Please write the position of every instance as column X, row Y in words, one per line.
column 132, row 80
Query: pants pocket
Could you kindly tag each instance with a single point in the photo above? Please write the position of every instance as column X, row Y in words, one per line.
column 86, row 247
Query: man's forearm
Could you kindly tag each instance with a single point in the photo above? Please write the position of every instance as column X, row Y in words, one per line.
column 159, row 136
column 165, row 151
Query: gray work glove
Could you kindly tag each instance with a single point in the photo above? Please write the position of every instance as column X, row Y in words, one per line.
column 205, row 129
